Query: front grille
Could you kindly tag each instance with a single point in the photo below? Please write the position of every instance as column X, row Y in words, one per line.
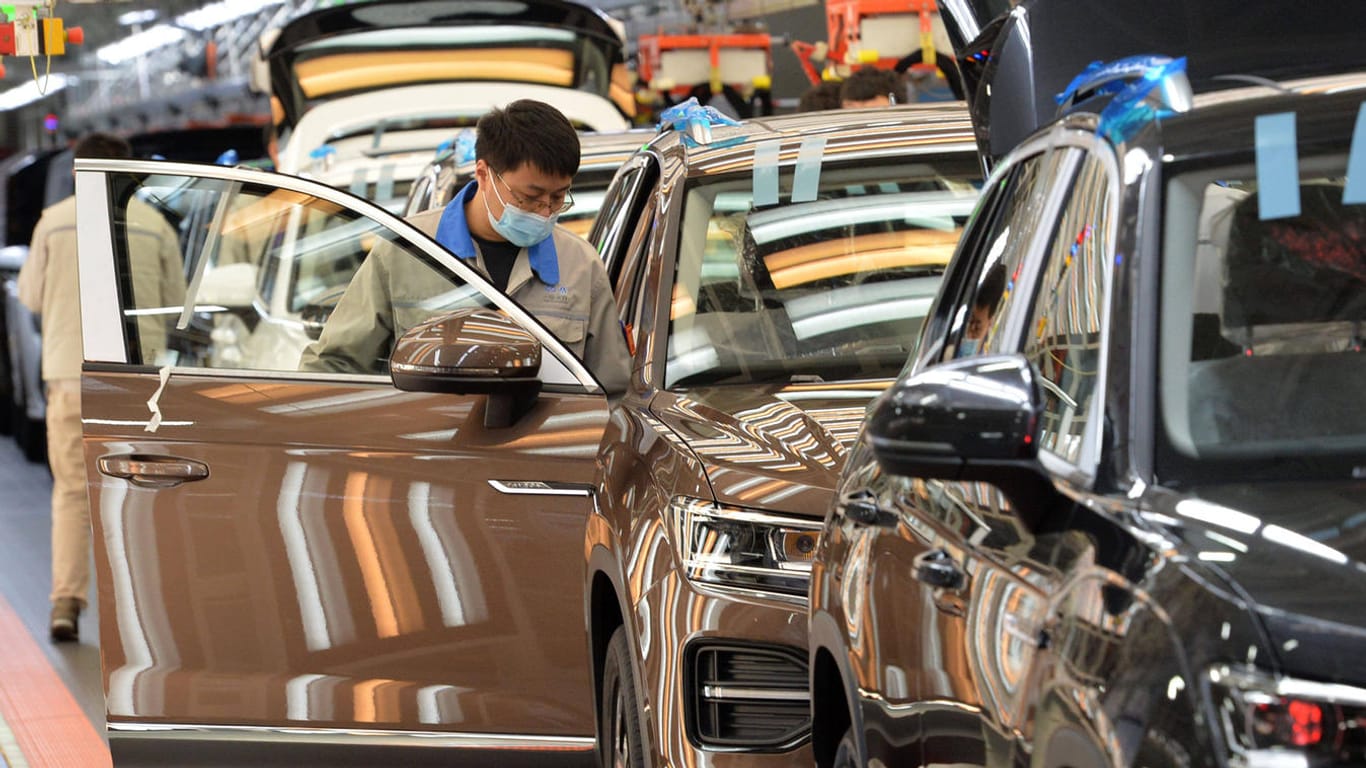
column 747, row 697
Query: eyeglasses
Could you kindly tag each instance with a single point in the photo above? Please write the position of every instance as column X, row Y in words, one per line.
column 556, row 204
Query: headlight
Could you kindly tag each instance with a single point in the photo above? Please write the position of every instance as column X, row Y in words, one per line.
column 1273, row 722
column 733, row 547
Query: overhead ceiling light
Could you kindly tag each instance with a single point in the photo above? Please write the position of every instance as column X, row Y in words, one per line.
column 140, row 43
column 132, row 18
column 32, row 91
column 215, row 14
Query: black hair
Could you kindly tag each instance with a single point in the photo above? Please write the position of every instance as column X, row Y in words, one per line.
column 528, row 131
column 870, row 83
column 992, row 287
column 102, row 145
column 819, row 97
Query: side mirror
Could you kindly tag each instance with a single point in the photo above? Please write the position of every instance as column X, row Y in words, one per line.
column 975, row 419
column 472, row 352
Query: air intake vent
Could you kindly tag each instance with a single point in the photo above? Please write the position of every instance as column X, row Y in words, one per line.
column 747, row 697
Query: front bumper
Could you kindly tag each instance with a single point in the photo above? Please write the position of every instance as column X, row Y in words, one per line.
column 723, row 677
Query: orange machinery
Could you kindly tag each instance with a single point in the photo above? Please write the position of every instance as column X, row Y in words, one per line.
column 877, row 32
column 30, row 29
column 676, row 64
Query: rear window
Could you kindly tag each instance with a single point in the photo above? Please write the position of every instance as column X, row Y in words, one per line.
column 1264, row 313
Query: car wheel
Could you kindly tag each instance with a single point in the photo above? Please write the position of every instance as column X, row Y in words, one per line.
column 846, row 754
column 620, row 744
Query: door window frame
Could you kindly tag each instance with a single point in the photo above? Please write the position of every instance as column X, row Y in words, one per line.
column 1082, row 472
column 103, row 327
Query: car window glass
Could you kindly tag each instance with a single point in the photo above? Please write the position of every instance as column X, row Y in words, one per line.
column 630, row 289
column 613, row 221
column 1062, row 338
column 263, row 269
column 1002, row 249
column 829, row 288
column 1263, row 317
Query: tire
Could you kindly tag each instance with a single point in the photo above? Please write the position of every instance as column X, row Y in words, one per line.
column 846, row 754
column 620, row 744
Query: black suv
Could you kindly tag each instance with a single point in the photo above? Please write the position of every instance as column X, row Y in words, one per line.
column 1114, row 511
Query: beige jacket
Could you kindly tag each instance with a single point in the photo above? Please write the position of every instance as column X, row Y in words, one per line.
column 48, row 284
column 392, row 291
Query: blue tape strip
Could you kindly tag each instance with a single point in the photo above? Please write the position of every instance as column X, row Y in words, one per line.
column 766, row 174
column 1355, row 193
column 1278, row 172
column 808, row 176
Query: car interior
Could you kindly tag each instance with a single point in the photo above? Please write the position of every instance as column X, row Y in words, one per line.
column 1276, row 322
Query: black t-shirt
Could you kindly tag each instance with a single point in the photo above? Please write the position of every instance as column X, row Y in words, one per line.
column 499, row 256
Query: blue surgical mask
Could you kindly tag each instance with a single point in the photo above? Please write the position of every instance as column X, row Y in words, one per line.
column 521, row 228
column 969, row 347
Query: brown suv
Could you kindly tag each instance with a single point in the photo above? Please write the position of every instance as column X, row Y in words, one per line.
column 765, row 277
column 329, row 569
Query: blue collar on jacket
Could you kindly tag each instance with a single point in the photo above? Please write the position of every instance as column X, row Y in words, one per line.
column 454, row 233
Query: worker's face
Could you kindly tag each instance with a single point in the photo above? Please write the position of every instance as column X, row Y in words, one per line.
column 524, row 187
column 978, row 322
column 876, row 101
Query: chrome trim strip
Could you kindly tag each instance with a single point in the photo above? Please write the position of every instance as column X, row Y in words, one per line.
column 731, row 693
column 1258, row 680
column 539, row 488
column 350, row 737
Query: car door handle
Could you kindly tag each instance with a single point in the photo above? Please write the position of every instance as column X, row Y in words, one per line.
column 153, row 471
column 938, row 569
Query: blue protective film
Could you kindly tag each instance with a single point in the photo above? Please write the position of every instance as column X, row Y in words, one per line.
column 807, row 181
column 1278, row 173
column 1355, row 193
column 766, row 174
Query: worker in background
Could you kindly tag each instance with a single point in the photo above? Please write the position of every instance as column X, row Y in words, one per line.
column 48, row 287
column 826, row 95
column 503, row 224
column 871, row 87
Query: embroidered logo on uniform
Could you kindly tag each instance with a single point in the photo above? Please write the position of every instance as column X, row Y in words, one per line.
column 557, row 293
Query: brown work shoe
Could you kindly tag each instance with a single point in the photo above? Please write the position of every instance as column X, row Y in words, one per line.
column 64, row 625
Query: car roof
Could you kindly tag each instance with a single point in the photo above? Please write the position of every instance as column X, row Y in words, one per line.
column 364, row 117
column 846, row 132
column 1223, row 122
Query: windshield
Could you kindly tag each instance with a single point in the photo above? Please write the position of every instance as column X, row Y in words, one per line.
column 1264, row 312
column 833, row 288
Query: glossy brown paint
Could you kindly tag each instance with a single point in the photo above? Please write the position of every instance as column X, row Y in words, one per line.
column 478, row 341
column 345, row 563
column 796, row 435
column 789, row 442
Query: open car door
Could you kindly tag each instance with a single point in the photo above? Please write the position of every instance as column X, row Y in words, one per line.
column 319, row 566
